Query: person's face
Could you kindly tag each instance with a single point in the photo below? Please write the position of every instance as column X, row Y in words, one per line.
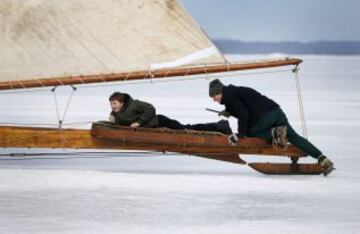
column 116, row 106
column 217, row 98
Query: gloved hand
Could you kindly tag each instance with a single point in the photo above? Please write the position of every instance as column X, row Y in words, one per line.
column 224, row 113
column 233, row 139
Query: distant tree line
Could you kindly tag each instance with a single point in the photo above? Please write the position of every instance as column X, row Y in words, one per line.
column 289, row 47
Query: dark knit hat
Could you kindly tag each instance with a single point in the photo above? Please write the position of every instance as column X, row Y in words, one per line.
column 215, row 87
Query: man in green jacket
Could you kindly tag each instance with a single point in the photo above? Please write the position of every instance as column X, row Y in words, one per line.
column 127, row 111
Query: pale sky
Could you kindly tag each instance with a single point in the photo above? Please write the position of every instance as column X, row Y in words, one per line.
column 278, row 20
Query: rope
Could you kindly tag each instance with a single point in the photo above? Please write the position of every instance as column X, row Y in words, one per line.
column 193, row 77
column 196, row 77
column 205, row 72
column 300, row 101
column 68, row 103
column 61, row 120
column 57, row 107
column 47, row 124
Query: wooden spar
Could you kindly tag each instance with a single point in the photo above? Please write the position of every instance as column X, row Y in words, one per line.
column 29, row 137
column 138, row 75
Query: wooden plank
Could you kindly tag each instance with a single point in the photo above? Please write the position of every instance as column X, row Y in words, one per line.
column 28, row 137
column 287, row 168
column 154, row 74
column 181, row 141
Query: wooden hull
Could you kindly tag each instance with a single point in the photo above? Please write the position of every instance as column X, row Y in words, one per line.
column 191, row 142
column 105, row 136
column 201, row 144
column 28, row 137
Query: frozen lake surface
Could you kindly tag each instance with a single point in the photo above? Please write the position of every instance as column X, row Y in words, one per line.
column 154, row 193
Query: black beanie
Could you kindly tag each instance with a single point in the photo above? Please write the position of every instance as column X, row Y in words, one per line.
column 215, row 87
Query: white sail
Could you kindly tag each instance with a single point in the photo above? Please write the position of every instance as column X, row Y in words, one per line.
column 51, row 38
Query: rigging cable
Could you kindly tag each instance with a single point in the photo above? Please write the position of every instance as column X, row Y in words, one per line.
column 195, row 77
column 61, row 119
column 85, row 154
column 300, row 101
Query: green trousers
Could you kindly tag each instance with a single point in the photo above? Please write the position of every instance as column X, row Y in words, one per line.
column 277, row 117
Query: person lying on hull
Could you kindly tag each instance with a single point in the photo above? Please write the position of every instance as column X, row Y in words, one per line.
column 127, row 111
column 259, row 116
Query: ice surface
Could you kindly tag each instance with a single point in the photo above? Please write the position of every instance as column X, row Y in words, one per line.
column 153, row 193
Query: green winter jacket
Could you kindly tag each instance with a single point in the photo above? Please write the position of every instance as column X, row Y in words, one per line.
column 136, row 111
